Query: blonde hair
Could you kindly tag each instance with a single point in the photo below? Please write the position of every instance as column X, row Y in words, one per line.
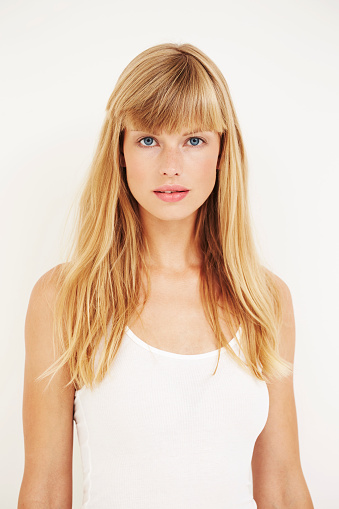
column 166, row 87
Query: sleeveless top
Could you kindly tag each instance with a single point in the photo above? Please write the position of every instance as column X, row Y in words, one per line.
column 160, row 432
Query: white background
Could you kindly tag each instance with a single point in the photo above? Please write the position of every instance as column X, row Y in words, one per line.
column 59, row 64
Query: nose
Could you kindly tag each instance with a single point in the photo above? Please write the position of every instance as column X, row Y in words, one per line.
column 170, row 162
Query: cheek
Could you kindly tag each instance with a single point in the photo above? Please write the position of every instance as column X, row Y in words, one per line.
column 206, row 171
column 136, row 171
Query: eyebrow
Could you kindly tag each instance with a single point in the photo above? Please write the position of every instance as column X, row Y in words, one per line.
column 185, row 134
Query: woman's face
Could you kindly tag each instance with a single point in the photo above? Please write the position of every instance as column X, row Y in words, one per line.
column 155, row 159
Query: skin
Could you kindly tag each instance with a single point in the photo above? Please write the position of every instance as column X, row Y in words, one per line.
column 171, row 159
column 47, row 415
column 278, row 481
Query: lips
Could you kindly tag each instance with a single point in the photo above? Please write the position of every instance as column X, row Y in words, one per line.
column 174, row 188
column 171, row 196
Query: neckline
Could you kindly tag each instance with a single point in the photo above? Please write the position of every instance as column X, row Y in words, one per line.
column 148, row 347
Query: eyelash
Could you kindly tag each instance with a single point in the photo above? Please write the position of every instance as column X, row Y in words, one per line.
column 152, row 146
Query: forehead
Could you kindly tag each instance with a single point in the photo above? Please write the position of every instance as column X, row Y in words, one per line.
column 184, row 132
column 182, row 129
column 185, row 114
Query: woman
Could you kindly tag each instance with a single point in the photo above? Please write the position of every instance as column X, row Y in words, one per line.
column 163, row 335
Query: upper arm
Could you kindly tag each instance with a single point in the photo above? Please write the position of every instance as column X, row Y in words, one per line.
column 47, row 414
column 276, row 465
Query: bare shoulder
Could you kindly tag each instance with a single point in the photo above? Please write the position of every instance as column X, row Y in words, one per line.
column 46, row 287
column 276, row 466
column 280, row 284
column 287, row 333
column 47, row 409
column 39, row 316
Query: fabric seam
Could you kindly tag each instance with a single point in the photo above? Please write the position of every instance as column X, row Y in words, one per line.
column 86, row 444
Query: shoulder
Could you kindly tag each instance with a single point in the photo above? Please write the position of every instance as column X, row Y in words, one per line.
column 276, row 467
column 279, row 283
column 287, row 331
column 48, row 282
column 46, row 287
column 284, row 294
column 40, row 311
column 47, row 403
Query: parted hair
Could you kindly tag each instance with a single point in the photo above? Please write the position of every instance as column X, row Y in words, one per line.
column 165, row 88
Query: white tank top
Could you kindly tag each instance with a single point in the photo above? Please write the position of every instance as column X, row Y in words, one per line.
column 160, row 432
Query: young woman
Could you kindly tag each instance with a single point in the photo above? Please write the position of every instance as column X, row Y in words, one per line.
column 163, row 336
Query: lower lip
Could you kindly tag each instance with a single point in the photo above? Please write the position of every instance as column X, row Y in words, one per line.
column 171, row 196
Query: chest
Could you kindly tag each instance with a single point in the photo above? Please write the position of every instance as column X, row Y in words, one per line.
column 167, row 423
column 173, row 318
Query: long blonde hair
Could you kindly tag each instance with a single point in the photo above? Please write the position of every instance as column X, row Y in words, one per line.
column 166, row 87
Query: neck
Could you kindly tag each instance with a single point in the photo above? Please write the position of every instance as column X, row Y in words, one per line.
column 171, row 244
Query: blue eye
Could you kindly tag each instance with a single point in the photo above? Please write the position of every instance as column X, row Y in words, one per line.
column 195, row 141
column 148, row 141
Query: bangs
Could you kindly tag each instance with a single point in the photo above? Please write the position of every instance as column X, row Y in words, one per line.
column 175, row 94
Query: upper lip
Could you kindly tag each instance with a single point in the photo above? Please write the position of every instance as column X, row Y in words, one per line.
column 173, row 187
